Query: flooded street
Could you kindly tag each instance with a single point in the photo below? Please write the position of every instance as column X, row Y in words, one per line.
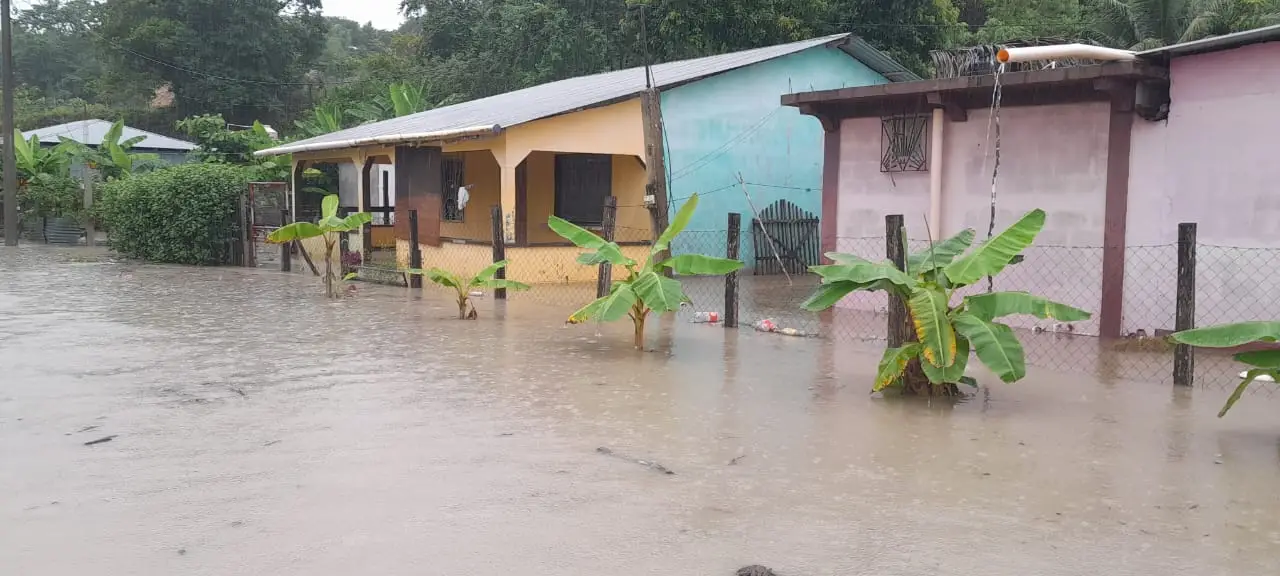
column 260, row 429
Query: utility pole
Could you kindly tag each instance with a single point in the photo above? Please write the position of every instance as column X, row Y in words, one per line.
column 87, row 175
column 10, row 162
column 654, row 154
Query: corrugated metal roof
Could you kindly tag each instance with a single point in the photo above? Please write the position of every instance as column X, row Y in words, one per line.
column 1224, row 42
column 90, row 132
column 553, row 98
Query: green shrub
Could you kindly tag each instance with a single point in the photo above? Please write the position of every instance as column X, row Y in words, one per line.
column 181, row 215
column 47, row 196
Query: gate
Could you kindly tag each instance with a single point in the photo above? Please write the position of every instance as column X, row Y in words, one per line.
column 795, row 235
column 267, row 203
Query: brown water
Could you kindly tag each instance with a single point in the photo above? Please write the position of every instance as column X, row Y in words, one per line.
column 403, row 442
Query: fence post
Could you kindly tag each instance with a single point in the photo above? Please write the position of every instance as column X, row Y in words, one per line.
column 899, row 328
column 604, row 280
column 1184, row 359
column 344, row 247
column 286, row 254
column 415, row 251
column 499, row 249
column 733, row 246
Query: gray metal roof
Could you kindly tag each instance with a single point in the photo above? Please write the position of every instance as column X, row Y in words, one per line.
column 1216, row 43
column 90, row 132
column 553, row 98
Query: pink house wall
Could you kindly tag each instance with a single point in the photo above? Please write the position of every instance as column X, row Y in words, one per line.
column 1214, row 161
column 1052, row 157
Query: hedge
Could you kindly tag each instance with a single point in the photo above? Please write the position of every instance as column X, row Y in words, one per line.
column 181, row 215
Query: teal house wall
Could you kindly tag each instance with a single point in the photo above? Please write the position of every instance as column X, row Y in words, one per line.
column 734, row 123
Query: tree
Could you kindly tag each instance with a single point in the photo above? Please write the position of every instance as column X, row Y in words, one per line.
column 646, row 287
column 1146, row 24
column 945, row 333
column 905, row 29
column 241, row 58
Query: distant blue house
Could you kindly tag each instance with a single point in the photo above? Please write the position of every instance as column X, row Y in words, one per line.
column 732, row 124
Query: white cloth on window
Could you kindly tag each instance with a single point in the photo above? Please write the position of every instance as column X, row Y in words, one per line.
column 463, row 196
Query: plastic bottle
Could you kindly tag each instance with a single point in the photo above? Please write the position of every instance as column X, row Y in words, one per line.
column 705, row 317
column 765, row 325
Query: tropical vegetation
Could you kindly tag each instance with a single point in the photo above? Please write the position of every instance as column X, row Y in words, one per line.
column 182, row 215
column 646, row 288
column 155, row 62
column 327, row 229
column 463, row 286
column 945, row 334
column 1264, row 364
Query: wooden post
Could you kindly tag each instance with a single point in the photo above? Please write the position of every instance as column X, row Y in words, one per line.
column 733, row 241
column 604, row 279
column 89, row 232
column 499, row 249
column 1184, row 359
column 655, row 164
column 415, row 251
column 899, row 328
column 344, row 246
column 286, row 255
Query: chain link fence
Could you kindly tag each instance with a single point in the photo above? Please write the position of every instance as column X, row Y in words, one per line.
column 1228, row 289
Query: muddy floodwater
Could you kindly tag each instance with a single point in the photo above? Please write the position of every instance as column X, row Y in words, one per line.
column 258, row 429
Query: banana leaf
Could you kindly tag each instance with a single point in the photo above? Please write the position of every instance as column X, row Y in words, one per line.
column 893, row 363
column 1229, row 335
column 937, row 338
column 999, row 304
column 953, row 373
column 940, row 254
column 659, row 293
column 700, row 265
column 677, row 224
column 995, row 344
column 993, row 255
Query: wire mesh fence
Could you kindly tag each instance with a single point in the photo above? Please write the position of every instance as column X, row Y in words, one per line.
column 1228, row 289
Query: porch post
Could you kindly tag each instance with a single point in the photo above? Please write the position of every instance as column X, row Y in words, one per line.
column 509, row 201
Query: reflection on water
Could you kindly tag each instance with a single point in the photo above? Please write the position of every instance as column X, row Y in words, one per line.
column 264, row 430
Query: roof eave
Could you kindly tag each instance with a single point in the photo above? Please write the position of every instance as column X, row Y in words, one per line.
column 412, row 137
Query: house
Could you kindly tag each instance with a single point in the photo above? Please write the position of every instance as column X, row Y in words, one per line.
column 1118, row 153
column 561, row 148
column 90, row 133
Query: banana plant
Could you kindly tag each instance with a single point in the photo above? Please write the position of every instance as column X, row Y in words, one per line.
column 946, row 334
column 1264, row 364
column 646, row 288
column 113, row 158
column 328, row 228
column 483, row 280
column 36, row 161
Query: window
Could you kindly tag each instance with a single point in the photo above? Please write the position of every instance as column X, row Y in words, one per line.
column 904, row 143
column 452, row 172
column 582, row 183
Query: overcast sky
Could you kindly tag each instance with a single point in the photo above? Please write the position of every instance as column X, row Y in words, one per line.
column 384, row 14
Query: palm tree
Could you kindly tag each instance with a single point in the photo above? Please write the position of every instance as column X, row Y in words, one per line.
column 1147, row 24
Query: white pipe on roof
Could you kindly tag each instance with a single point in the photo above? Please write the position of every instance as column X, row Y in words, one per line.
column 490, row 130
column 1034, row 53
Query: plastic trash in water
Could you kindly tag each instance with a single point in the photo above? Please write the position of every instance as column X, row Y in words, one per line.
column 765, row 325
column 705, row 317
column 477, row 293
column 790, row 332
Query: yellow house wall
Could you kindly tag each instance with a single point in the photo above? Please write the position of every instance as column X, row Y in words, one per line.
column 481, row 170
column 614, row 129
column 531, row 265
column 628, row 187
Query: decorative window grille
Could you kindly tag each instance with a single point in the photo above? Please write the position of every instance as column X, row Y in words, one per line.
column 904, row 143
column 452, row 170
